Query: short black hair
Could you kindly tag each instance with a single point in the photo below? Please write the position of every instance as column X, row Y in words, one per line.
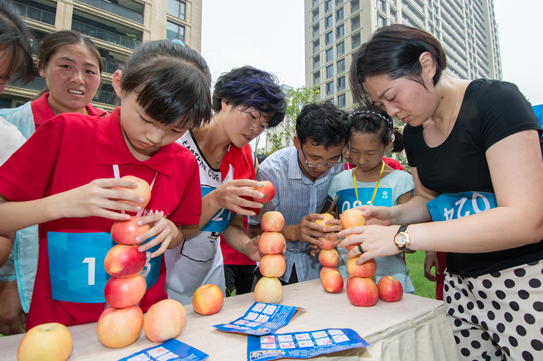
column 322, row 124
column 251, row 88
column 394, row 51
column 173, row 82
column 15, row 36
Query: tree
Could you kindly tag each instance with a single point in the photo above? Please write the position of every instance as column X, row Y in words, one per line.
column 296, row 99
column 400, row 157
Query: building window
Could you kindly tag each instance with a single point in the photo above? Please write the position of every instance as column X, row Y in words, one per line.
column 177, row 8
column 329, row 88
column 328, row 22
column 315, row 15
column 316, row 78
column 341, row 101
column 339, row 15
column 381, row 21
column 394, row 17
column 340, row 49
column 316, row 62
column 327, row 6
column 355, row 22
column 174, row 31
column 382, row 5
column 316, row 46
column 329, row 71
column 328, row 38
column 338, row 2
column 341, row 83
column 316, row 30
column 314, row 3
column 355, row 41
column 341, row 66
column 355, row 5
column 340, row 31
column 329, row 54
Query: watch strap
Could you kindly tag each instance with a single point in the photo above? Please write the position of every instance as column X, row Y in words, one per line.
column 403, row 249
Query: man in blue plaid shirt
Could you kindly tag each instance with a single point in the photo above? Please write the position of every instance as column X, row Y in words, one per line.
column 301, row 176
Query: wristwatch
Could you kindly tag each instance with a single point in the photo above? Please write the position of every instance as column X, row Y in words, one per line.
column 402, row 240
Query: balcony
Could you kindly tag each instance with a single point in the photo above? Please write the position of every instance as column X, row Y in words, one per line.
column 115, row 9
column 106, row 95
column 104, row 35
column 38, row 84
column 109, row 67
column 32, row 13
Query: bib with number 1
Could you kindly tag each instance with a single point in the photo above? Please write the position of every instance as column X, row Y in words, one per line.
column 450, row 206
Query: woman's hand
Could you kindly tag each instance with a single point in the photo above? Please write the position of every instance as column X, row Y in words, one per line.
column 377, row 215
column 164, row 231
column 431, row 261
column 229, row 195
column 375, row 241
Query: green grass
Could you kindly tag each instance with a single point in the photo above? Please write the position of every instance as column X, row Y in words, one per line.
column 415, row 263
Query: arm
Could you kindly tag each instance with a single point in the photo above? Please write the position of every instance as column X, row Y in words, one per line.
column 517, row 173
column 5, row 246
column 239, row 240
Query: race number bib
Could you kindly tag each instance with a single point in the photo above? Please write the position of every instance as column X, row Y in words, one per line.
column 220, row 220
column 347, row 198
column 450, row 206
column 76, row 266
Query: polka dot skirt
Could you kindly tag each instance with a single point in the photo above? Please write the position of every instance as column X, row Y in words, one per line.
column 497, row 316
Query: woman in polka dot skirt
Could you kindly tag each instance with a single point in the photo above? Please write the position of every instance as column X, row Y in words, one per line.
column 475, row 156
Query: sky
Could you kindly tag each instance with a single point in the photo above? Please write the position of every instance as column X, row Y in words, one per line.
column 269, row 34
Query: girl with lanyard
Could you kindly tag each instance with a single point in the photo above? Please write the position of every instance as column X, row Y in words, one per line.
column 71, row 65
column 475, row 156
column 62, row 179
column 373, row 182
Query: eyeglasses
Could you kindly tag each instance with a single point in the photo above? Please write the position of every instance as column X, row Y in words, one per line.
column 318, row 165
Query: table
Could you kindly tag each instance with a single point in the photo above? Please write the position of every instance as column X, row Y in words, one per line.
column 414, row 328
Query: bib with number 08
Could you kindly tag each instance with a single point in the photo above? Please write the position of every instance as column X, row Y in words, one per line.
column 450, row 206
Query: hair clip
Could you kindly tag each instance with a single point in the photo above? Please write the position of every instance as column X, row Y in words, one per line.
column 177, row 41
column 368, row 113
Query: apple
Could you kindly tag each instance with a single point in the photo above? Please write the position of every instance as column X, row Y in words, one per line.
column 362, row 292
column 271, row 243
column 272, row 222
column 119, row 327
column 207, row 300
column 352, row 218
column 366, row 269
column 390, row 289
column 349, row 247
column 332, row 281
column 125, row 292
column 143, row 190
column 125, row 232
column 272, row 265
column 124, row 261
column 326, row 242
column 329, row 257
column 326, row 269
column 49, row 341
column 269, row 290
column 268, row 190
column 164, row 320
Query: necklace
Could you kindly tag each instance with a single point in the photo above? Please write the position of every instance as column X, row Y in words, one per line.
column 446, row 135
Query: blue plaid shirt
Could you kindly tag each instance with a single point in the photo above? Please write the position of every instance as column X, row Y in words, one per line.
column 296, row 196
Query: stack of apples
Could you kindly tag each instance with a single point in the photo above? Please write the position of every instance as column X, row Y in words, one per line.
column 329, row 259
column 272, row 265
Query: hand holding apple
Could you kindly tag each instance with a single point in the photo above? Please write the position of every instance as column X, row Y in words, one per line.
column 366, row 269
column 327, row 243
column 268, row 191
column 125, row 232
column 49, row 341
column 143, row 190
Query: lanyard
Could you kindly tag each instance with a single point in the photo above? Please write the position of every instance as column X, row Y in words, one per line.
column 117, row 174
column 376, row 186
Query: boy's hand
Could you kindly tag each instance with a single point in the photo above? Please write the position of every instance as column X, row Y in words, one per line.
column 164, row 231
column 308, row 231
column 97, row 199
column 229, row 195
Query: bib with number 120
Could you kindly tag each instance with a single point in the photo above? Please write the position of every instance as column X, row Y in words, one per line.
column 450, row 206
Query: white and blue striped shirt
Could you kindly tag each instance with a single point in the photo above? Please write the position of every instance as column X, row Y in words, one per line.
column 296, row 196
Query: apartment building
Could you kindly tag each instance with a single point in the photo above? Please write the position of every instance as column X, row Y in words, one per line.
column 115, row 26
column 335, row 29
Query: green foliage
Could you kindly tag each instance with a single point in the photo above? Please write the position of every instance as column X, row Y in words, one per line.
column 400, row 157
column 415, row 263
column 296, row 99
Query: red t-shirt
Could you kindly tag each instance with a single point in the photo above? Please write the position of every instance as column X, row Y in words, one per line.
column 42, row 111
column 71, row 150
column 392, row 163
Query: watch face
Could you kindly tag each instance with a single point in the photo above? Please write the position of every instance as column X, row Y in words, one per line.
column 401, row 239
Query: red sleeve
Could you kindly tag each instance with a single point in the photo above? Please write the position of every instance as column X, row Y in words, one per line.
column 190, row 207
column 26, row 174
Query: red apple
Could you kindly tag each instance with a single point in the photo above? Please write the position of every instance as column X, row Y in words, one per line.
column 207, row 300
column 271, row 243
column 125, row 292
column 49, row 341
column 125, row 232
column 124, row 261
column 269, row 290
column 329, row 257
column 164, row 321
column 272, row 222
column 352, row 218
column 143, row 190
column 268, row 190
column 390, row 289
column 119, row 327
column 326, row 269
column 366, row 269
column 272, row 265
column 362, row 292
column 332, row 281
